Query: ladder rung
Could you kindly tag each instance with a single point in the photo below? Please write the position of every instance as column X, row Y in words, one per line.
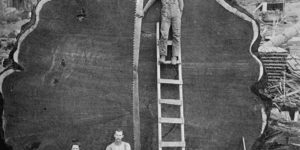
column 169, row 62
column 172, row 144
column 170, row 42
column 170, row 81
column 171, row 120
column 171, row 101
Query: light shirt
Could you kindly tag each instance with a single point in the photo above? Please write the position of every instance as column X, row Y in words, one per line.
column 122, row 146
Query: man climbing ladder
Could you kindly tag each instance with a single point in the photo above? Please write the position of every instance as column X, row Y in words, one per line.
column 171, row 13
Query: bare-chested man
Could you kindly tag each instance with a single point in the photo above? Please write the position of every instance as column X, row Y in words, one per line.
column 118, row 144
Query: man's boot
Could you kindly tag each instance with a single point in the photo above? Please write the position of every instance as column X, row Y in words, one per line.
column 174, row 60
column 162, row 59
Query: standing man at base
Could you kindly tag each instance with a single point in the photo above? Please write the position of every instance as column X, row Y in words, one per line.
column 171, row 13
column 75, row 144
column 118, row 144
column 75, row 147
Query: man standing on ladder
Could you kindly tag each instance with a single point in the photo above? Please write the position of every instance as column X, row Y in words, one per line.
column 171, row 13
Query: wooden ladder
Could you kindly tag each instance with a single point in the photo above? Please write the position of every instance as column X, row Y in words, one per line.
column 177, row 102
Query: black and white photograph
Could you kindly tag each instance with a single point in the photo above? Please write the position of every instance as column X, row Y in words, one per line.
column 149, row 74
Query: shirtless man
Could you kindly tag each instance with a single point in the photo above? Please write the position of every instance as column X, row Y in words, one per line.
column 118, row 144
column 75, row 147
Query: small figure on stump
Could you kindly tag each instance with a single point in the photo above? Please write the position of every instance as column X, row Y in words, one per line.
column 81, row 16
column 171, row 13
column 118, row 144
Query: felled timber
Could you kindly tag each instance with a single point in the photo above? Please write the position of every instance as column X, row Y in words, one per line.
column 275, row 64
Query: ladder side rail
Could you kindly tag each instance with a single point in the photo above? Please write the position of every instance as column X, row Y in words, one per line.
column 181, row 112
column 159, row 116
column 158, row 88
column 180, row 66
column 181, row 97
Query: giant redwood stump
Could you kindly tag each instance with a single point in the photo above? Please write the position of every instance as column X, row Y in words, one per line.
column 77, row 78
column 218, row 71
